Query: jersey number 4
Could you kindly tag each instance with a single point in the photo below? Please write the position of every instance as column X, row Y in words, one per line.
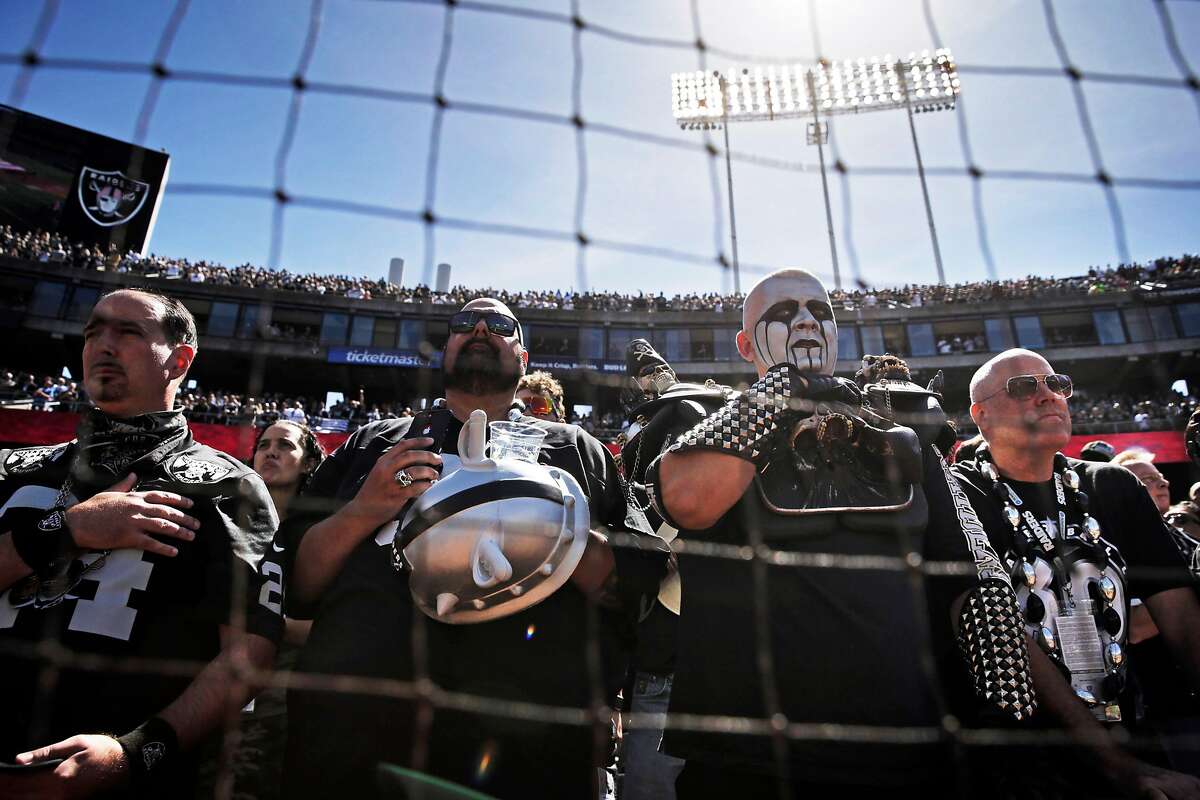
column 107, row 613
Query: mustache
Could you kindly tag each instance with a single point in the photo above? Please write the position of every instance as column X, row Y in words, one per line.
column 478, row 344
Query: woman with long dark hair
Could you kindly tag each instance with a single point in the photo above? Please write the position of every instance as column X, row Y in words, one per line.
column 285, row 456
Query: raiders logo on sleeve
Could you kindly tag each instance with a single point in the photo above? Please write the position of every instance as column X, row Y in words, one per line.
column 28, row 459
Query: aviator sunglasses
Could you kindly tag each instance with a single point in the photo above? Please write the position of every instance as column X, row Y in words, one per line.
column 1022, row 387
column 497, row 323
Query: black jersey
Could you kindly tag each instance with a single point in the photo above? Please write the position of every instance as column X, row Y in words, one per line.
column 845, row 642
column 137, row 604
column 366, row 624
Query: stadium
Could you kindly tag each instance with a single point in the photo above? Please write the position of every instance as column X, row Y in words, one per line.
column 360, row 198
column 1134, row 328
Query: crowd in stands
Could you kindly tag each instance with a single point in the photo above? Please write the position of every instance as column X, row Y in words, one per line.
column 1113, row 412
column 1090, row 412
column 54, row 248
column 1169, row 407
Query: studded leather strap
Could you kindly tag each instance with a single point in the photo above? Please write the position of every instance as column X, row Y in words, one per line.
column 991, row 636
column 743, row 427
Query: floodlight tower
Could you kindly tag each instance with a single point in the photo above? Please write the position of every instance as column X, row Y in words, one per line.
column 917, row 84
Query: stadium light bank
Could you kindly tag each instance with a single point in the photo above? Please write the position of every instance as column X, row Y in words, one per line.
column 920, row 83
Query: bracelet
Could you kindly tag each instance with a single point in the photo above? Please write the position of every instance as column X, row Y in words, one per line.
column 150, row 749
column 39, row 536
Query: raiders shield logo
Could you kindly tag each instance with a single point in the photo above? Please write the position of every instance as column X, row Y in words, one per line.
column 189, row 469
column 110, row 198
column 52, row 522
column 29, row 458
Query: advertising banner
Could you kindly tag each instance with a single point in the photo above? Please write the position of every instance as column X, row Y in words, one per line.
column 382, row 357
column 20, row 428
column 379, row 357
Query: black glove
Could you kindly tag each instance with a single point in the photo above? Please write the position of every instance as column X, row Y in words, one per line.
column 830, row 389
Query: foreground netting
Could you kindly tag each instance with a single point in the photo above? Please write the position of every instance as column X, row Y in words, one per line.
column 573, row 117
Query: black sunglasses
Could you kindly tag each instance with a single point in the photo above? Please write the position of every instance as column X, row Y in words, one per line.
column 497, row 323
column 1022, row 387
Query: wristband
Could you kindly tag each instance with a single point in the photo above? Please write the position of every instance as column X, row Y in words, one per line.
column 39, row 536
column 150, row 749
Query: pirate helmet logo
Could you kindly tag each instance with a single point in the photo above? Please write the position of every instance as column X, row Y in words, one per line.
column 110, row 198
column 188, row 469
column 29, row 458
column 493, row 537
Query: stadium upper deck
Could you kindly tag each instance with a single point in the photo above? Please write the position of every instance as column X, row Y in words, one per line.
column 1134, row 326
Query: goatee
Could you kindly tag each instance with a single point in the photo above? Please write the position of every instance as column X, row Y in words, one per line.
column 479, row 372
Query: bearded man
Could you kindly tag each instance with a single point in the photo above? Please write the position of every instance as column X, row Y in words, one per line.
column 822, row 499
column 349, row 571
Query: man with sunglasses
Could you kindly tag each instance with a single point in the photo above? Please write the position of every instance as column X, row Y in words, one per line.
column 131, row 545
column 542, row 395
column 367, row 624
column 1078, row 539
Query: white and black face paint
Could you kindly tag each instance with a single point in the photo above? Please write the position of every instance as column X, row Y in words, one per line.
column 798, row 331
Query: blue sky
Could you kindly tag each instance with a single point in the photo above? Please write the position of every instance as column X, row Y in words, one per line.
column 518, row 172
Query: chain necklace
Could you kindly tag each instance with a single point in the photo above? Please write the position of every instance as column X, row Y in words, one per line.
column 1047, row 570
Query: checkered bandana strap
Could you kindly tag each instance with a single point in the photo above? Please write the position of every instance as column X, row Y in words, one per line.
column 745, row 425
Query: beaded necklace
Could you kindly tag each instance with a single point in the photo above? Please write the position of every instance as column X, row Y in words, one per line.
column 1082, row 631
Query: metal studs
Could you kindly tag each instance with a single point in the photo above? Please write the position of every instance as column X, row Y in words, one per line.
column 1116, row 656
column 989, row 471
column 478, row 603
column 1087, row 697
column 1046, row 640
column 517, row 590
column 1071, row 479
column 1092, row 526
column 1028, row 573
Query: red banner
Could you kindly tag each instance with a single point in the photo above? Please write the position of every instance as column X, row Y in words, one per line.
column 41, row 427
column 1168, row 446
column 51, row 427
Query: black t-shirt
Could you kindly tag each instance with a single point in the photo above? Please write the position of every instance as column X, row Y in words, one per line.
column 1129, row 523
column 137, row 604
column 845, row 644
column 366, row 623
column 1166, row 688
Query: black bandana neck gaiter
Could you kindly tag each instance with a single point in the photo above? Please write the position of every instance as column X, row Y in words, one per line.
column 109, row 446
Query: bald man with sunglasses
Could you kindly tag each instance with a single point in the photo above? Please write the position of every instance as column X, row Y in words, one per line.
column 1079, row 539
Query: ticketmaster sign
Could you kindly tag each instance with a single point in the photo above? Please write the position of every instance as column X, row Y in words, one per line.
column 381, row 358
column 378, row 357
